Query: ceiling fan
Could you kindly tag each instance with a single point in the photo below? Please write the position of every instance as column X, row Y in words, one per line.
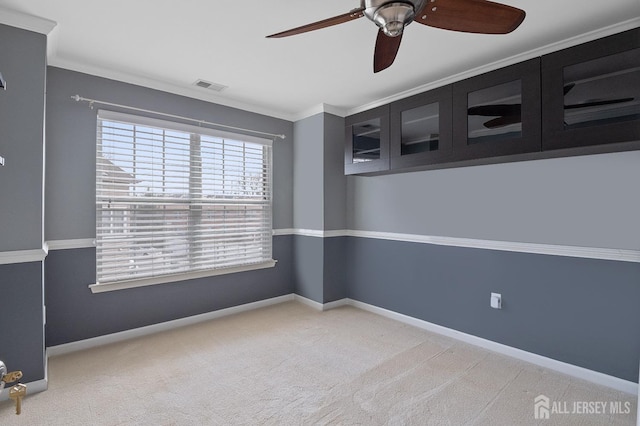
column 471, row 16
column 508, row 114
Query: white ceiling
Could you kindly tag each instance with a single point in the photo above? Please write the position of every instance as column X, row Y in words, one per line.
column 168, row 44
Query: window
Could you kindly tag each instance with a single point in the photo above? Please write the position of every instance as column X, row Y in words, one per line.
column 175, row 201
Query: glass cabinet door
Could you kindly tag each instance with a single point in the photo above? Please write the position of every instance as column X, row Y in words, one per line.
column 367, row 137
column 495, row 113
column 366, row 140
column 592, row 93
column 602, row 91
column 498, row 113
column 421, row 129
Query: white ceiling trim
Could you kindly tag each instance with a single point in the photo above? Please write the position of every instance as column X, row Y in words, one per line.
column 49, row 28
column 150, row 83
column 553, row 47
column 318, row 109
column 26, row 22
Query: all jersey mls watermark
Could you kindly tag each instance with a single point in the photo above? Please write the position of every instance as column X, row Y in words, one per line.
column 545, row 408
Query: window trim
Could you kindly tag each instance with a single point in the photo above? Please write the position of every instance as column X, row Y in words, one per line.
column 189, row 275
column 165, row 279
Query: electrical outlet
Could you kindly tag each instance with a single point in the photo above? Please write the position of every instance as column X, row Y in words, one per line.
column 496, row 300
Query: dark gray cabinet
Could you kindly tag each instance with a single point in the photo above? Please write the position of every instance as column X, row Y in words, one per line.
column 497, row 113
column 580, row 100
column 367, row 141
column 591, row 93
column 421, row 129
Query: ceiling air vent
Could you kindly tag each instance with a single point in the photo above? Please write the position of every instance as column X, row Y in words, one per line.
column 208, row 85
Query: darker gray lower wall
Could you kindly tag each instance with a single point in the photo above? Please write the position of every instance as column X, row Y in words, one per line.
column 308, row 259
column 335, row 275
column 319, row 268
column 580, row 311
column 22, row 342
column 75, row 313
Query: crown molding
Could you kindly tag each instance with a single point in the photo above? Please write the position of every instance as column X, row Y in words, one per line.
column 540, row 51
column 194, row 93
column 26, row 21
column 163, row 86
column 319, row 109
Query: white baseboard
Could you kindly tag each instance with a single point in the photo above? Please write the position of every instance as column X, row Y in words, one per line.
column 321, row 306
column 311, row 303
column 335, row 304
column 164, row 326
column 542, row 361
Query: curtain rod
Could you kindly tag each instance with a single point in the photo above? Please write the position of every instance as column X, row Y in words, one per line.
column 91, row 102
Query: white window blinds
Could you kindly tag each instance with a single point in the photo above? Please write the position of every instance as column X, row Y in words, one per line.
column 174, row 199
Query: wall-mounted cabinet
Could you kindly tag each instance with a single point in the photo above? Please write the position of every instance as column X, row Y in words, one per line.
column 591, row 93
column 367, row 141
column 421, row 129
column 497, row 113
column 580, row 100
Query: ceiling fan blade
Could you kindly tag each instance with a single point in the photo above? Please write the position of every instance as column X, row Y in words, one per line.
column 471, row 16
column 386, row 50
column 340, row 19
column 496, row 110
column 598, row 103
column 502, row 121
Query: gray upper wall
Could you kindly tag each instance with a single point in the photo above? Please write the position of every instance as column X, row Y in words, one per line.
column 319, row 180
column 23, row 65
column 71, row 138
column 588, row 201
column 335, row 182
column 308, row 163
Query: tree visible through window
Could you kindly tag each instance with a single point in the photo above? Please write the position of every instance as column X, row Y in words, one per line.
column 173, row 199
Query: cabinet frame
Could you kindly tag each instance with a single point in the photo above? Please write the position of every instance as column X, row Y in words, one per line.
column 379, row 165
column 554, row 135
column 442, row 96
column 528, row 72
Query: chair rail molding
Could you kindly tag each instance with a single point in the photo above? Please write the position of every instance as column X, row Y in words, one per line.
column 620, row 255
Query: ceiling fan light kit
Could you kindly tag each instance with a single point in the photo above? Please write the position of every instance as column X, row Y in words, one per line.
column 392, row 17
column 472, row 16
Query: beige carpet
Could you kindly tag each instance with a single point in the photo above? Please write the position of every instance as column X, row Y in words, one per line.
column 289, row 364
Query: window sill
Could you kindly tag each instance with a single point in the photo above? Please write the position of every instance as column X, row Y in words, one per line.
column 121, row 285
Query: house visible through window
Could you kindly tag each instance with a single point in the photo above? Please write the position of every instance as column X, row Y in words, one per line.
column 175, row 200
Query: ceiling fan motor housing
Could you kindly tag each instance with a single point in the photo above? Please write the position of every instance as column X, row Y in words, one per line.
column 392, row 16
